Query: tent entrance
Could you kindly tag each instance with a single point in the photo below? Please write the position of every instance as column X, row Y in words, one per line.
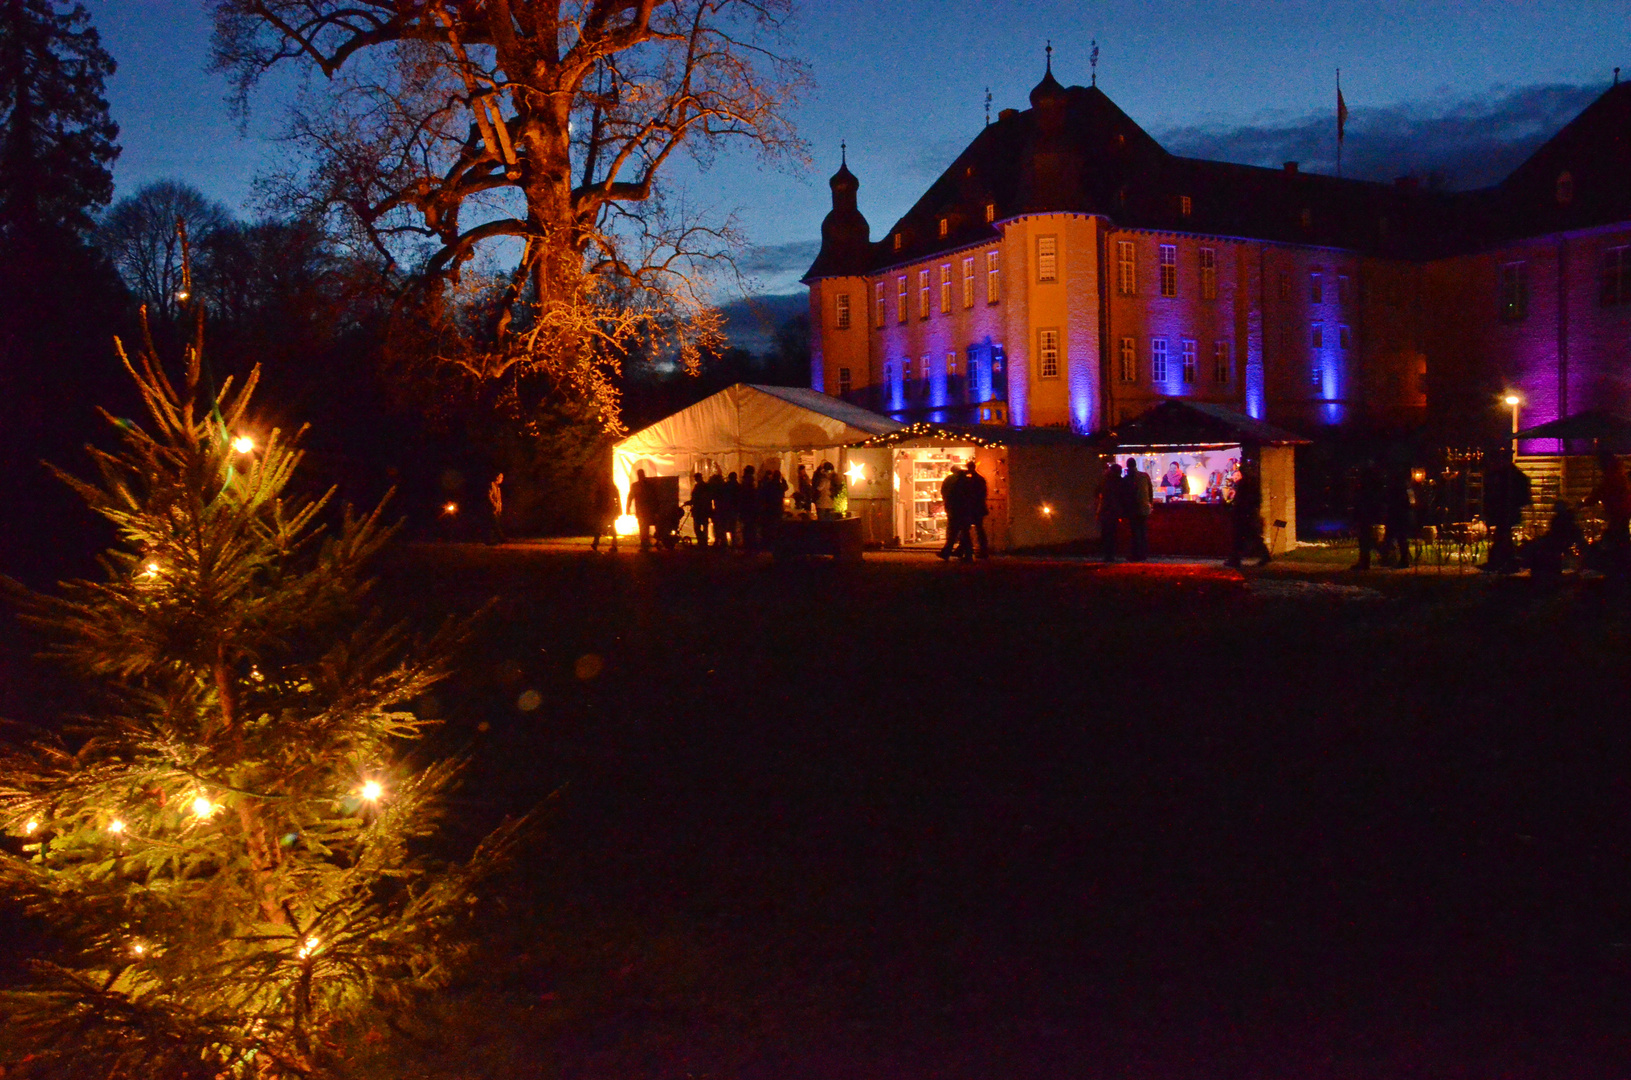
column 920, row 515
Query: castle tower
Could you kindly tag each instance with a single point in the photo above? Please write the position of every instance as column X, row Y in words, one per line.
column 839, row 305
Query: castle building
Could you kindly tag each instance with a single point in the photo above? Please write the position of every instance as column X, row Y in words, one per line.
column 1068, row 271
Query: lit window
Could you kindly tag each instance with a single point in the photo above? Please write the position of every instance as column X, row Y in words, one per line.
column 1615, row 286
column 943, row 227
column 951, row 364
column 925, row 370
column 1190, row 368
column 843, row 311
column 945, row 288
column 1345, row 337
column 1169, row 269
column 923, row 293
column 1209, row 274
column 897, row 241
column 1126, row 268
column 1316, row 374
column 1047, row 258
column 1316, row 335
column 1514, row 291
column 1158, row 359
column 1047, row 354
column 906, row 369
column 993, row 276
column 1316, row 288
column 968, row 281
column 1129, row 360
column 843, row 381
column 1223, row 362
column 1185, row 206
column 990, row 212
column 900, row 298
column 879, row 319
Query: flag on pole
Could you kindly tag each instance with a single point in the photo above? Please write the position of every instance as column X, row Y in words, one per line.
column 1342, row 108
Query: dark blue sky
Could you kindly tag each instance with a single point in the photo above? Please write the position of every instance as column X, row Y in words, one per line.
column 1458, row 88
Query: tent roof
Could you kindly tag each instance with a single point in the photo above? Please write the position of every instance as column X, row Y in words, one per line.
column 747, row 418
column 1198, row 423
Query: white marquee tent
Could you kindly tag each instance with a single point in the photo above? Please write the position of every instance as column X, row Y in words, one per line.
column 746, row 424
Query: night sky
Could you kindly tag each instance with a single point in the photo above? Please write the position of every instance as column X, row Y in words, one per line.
column 1463, row 90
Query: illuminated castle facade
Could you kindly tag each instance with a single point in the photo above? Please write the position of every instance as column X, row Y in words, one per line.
column 1068, row 271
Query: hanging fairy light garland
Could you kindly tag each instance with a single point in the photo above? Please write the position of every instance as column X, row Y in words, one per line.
column 924, row 430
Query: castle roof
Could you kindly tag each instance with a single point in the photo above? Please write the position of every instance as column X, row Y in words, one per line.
column 1076, row 151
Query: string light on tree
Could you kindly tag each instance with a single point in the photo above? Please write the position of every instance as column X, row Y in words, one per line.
column 116, row 827
column 202, row 807
column 372, row 791
column 307, row 947
column 243, row 444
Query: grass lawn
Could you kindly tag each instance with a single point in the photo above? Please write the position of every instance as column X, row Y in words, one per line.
column 1029, row 819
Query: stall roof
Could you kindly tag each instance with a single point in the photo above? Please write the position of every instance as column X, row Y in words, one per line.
column 1198, row 423
column 1592, row 424
column 980, row 435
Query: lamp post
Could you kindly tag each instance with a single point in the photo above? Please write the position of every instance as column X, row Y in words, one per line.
column 1513, row 401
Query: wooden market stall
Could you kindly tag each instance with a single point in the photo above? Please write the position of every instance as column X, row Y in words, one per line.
column 1189, row 449
column 1042, row 484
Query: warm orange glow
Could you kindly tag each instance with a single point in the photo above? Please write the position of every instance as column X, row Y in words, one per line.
column 116, row 826
column 243, row 444
column 1047, row 510
column 450, row 509
column 31, row 828
column 203, row 807
column 1513, row 399
column 627, row 525
column 856, row 472
column 307, row 947
column 372, row 790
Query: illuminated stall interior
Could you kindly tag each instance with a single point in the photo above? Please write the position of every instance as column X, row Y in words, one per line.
column 1190, row 451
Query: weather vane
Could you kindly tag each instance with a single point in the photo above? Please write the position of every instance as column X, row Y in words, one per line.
column 843, row 152
column 1050, row 55
column 988, row 106
column 1093, row 61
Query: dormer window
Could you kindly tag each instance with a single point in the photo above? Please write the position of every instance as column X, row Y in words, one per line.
column 897, row 241
column 990, row 212
column 1185, row 205
column 943, row 227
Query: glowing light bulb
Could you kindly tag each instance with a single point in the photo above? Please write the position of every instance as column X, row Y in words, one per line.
column 243, row 444
column 371, row 790
column 307, row 947
column 182, row 295
column 1047, row 511
column 116, row 826
column 451, row 508
column 1513, row 399
column 150, row 571
column 203, row 807
column 32, row 827
column 138, row 949
column 855, row 472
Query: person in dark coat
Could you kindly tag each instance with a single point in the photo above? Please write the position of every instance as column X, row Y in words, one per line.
column 1545, row 555
column 747, row 510
column 954, row 499
column 1506, row 493
column 1138, row 503
column 1110, row 508
column 1400, row 511
column 803, row 491
column 605, row 506
column 727, row 527
column 979, row 507
column 643, row 505
column 1246, row 516
column 701, row 504
column 1368, row 511
column 716, row 506
column 772, row 492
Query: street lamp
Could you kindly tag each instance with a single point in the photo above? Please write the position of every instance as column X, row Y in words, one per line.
column 1513, row 401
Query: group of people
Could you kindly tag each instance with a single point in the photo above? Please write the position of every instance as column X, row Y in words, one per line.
column 740, row 512
column 727, row 510
column 1127, row 498
column 964, row 495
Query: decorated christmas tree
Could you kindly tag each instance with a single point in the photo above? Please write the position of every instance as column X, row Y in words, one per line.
column 228, row 855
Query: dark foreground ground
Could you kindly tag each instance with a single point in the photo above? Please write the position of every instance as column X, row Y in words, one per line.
column 908, row 820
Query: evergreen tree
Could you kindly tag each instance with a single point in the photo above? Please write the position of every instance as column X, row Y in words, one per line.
column 227, row 853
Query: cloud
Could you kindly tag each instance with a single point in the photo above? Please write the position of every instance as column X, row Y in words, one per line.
column 1458, row 144
column 779, row 264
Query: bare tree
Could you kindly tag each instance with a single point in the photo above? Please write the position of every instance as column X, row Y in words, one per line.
column 508, row 157
column 139, row 234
